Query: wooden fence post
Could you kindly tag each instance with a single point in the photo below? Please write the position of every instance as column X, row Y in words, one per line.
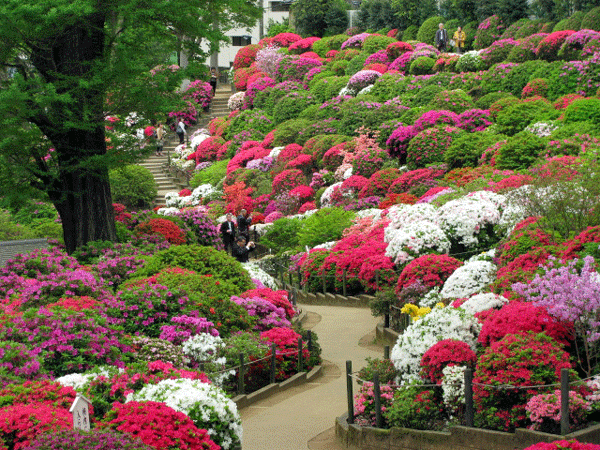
column 241, row 375
column 469, row 416
column 349, row 392
column 273, row 361
column 377, row 400
column 564, row 402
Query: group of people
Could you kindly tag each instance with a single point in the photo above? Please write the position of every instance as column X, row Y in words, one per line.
column 458, row 39
column 236, row 235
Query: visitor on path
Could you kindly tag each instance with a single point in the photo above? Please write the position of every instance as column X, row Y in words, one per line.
column 241, row 251
column 459, row 40
column 441, row 38
column 180, row 130
column 160, row 139
column 214, row 75
column 243, row 222
column 228, row 229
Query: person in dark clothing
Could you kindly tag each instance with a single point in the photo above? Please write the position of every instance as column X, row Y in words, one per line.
column 243, row 222
column 441, row 38
column 241, row 251
column 228, row 229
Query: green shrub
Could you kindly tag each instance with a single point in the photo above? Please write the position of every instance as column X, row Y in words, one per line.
column 421, row 66
column 565, row 78
column 561, row 25
column 455, row 100
column 411, row 115
column 428, row 28
column 133, row 186
column 415, row 407
column 251, row 119
column 470, row 30
column 339, row 67
column 389, row 86
column 47, row 229
column 518, row 116
column 525, row 49
column 569, row 130
column 356, row 64
column 488, row 31
column 513, row 29
column 202, row 260
column 530, row 27
column 585, row 109
column 326, row 225
column 31, row 212
column 322, row 46
column 466, row 150
column 335, row 86
column 320, row 88
column 282, row 236
column 212, row 175
column 469, row 62
column 486, row 101
column 375, row 43
column 591, row 21
column 430, row 145
column 320, row 76
column 288, row 131
column 12, row 231
column 520, row 151
column 291, row 105
column 410, row 34
column 425, row 95
column 574, row 22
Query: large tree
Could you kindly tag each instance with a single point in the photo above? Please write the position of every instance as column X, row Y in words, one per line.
column 66, row 65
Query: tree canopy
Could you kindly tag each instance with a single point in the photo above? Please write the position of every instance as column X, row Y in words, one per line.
column 65, row 65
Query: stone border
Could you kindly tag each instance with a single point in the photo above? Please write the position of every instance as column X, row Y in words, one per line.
column 329, row 299
column 386, row 335
column 457, row 438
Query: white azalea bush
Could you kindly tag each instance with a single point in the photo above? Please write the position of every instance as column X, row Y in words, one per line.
column 328, row 193
column 483, row 302
column 416, row 239
column 453, row 388
column 79, row 380
column 255, row 272
column 470, row 278
column 236, row 101
column 206, row 404
column 204, row 348
column 419, row 336
column 469, row 222
column 403, row 215
column 173, row 200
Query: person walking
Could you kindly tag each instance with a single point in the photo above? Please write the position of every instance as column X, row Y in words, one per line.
column 160, row 139
column 441, row 38
column 180, row 130
column 214, row 75
column 228, row 230
column 459, row 40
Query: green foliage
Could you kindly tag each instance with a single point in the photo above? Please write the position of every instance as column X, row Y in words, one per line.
column 320, row 89
column 591, row 21
column 512, row 10
column 561, row 25
column 428, row 28
column 202, row 260
column 322, row 46
column 12, row 231
column 291, row 105
column 339, row 67
column 469, row 63
column 375, row 14
column 486, row 101
column 430, row 145
column 513, row 29
column 319, row 17
column 212, row 175
column 516, row 117
column 384, row 367
column 425, row 95
column 133, row 186
column 528, row 28
column 421, row 66
column 574, row 22
column 356, row 64
column 325, row 225
column 250, row 120
column 465, row 150
column 388, row 86
column 486, row 35
column 410, row 33
column 375, row 43
column 520, row 151
column 274, row 28
column 282, row 236
column 335, row 86
column 414, row 407
column 455, row 100
column 288, row 131
column 585, row 109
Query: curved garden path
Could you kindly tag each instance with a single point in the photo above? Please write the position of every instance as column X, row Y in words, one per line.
column 289, row 420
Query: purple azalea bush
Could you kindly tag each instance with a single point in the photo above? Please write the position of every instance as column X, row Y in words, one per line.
column 267, row 314
column 186, row 326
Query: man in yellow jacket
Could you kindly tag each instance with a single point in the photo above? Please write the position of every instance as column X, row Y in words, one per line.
column 459, row 39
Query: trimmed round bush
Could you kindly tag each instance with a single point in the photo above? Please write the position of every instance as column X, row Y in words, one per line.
column 520, row 151
column 591, row 21
column 429, row 146
column 422, row 66
column 466, row 150
column 291, row 105
column 428, row 28
column 469, row 62
column 549, row 46
column 497, row 52
column 374, row 43
column 133, row 186
column 525, row 50
column 455, row 100
column 585, row 109
column 488, row 31
column 410, row 33
column 326, row 225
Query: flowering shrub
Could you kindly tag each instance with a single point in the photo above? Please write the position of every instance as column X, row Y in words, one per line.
column 285, row 39
column 509, row 362
column 364, row 400
column 17, row 360
column 200, row 92
column 419, row 178
column 543, row 411
column 434, row 118
column 266, row 313
column 379, row 183
column 302, row 45
column 563, row 445
column 277, row 298
column 362, row 79
column 95, row 439
column 395, row 49
column 429, row 146
column 235, row 103
column 549, row 46
column 203, row 227
column 20, row 424
column 355, row 41
column 471, row 278
column 488, row 31
column 158, row 426
column 497, row 52
column 245, row 56
column 431, row 270
column 163, row 227
column 474, row 120
column 206, row 404
column 186, row 327
column 448, row 352
column 286, row 341
column 415, row 407
column 287, row 180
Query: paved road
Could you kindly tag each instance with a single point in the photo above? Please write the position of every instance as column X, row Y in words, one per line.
column 291, row 419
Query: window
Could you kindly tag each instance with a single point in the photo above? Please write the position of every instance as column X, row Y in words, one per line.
column 241, row 41
column 280, row 6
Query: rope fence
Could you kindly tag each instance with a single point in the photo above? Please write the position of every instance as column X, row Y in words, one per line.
column 469, row 413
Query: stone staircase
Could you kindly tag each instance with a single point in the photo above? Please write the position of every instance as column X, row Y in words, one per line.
column 157, row 165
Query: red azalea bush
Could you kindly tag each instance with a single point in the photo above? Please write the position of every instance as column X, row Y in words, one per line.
column 379, row 183
column 245, row 56
column 519, row 317
column 522, row 269
column 302, row 45
column 121, row 214
column 308, row 206
column 287, row 180
column 241, row 77
column 419, row 178
column 244, row 156
column 548, row 47
column 378, row 67
column 566, row 100
column 289, row 153
column 395, row 49
column 303, row 192
column 449, row 352
column 333, row 157
column 278, row 298
column 510, row 362
column 536, row 87
column 208, row 149
column 158, row 426
column 396, row 199
column 526, row 235
column 163, row 227
column 76, row 303
column 49, row 393
column 354, row 183
column 217, row 126
column 305, row 163
column 572, row 247
column 185, row 193
column 22, row 423
column 285, row 39
column 431, row 270
column 286, row 341
column 511, row 182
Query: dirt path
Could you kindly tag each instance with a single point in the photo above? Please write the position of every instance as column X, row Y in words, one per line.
column 303, row 417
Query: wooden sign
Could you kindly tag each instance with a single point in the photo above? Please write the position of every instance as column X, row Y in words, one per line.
column 81, row 413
